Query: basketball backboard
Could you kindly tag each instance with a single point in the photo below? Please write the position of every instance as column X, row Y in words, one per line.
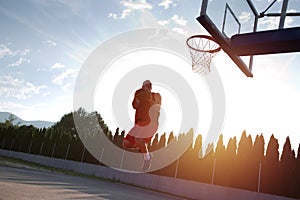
column 244, row 28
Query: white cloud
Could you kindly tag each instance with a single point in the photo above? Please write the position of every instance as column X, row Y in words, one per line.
column 273, row 22
column 57, row 66
column 5, row 51
column 288, row 21
column 147, row 19
column 163, row 22
column 68, row 73
column 166, row 4
column 291, row 11
column 10, row 106
column 66, row 87
column 125, row 13
column 49, row 43
column 269, row 23
column 245, row 17
column 19, row 62
column 131, row 6
column 41, row 69
column 20, row 89
column 175, row 20
column 46, row 93
column 179, row 20
column 180, row 31
column 21, row 59
column 22, row 52
column 113, row 15
column 136, row 5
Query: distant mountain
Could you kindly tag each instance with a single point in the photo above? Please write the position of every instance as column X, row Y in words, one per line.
column 39, row 124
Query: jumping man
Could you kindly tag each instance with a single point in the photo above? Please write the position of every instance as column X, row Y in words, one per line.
column 147, row 110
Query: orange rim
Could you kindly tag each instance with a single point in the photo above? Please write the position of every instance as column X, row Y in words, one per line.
column 215, row 50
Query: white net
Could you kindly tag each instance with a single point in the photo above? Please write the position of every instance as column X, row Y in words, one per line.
column 202, row 49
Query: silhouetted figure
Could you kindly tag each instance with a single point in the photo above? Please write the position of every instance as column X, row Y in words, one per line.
column 147, row 111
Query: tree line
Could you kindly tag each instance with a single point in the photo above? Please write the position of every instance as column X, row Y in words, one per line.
column 245, row 164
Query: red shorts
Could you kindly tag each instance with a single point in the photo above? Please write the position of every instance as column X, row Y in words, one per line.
column 140, row 132
column 132, row 141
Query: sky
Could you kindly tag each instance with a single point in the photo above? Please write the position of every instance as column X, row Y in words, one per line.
column 43, row 45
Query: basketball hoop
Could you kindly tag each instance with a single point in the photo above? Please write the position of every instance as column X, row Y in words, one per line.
column 202, row 49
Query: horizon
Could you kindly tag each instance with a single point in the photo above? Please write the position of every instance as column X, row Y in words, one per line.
column 44, row 45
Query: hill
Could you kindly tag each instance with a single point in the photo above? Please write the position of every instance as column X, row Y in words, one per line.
column 17, row 120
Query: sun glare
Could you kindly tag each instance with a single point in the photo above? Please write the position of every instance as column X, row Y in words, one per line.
column 168, row 73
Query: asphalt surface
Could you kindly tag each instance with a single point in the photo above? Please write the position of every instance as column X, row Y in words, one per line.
column 30, row 183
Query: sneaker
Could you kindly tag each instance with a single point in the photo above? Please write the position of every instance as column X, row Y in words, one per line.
column 147, row 163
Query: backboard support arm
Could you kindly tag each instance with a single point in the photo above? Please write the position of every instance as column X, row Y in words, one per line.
column 206, row 22
column 283, row 13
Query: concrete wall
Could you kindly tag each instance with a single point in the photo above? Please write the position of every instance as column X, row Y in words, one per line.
column 185, row 188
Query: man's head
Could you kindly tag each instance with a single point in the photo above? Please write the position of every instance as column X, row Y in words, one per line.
column 147, row 85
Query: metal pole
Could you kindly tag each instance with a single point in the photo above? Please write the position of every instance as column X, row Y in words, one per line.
column 3, row 143
column 213, row 172
column 262, row 14
column 12, row 142
column 203, row 7
column 259, row 174
column 252, row 7
column 67, row 153
column 20, row 146
column 41, row 148
column 283, row 13
column 251, row 62
column 224, row 19
column 53, row 149
column 291, row 14
column 176, row 169
column 82, row 156
column 121, row 164
column 30, row 146
column 101, row 155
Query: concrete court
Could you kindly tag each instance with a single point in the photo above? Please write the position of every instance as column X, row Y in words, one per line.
column 28, row 183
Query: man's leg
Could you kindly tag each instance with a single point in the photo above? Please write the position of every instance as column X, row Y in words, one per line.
column 128, row 144
column 142, row 145
column 129, row 140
